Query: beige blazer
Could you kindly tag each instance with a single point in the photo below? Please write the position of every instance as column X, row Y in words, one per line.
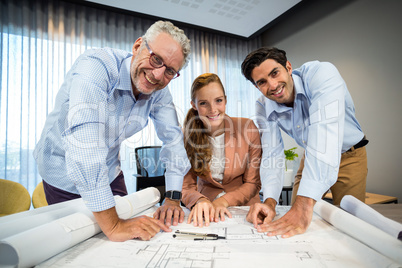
column 241, row 181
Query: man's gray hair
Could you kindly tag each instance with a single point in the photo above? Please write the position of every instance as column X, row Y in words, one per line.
column 176, row 33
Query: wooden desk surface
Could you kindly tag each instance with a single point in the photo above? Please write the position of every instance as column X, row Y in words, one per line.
column 391, row 211
column 373, row 198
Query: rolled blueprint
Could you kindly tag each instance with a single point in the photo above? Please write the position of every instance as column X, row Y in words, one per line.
column 34, row 245
column 359, row 209
column 19, row 222
column 360, row 230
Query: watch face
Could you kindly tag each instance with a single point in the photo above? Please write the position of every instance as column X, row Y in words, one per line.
column 175, row 195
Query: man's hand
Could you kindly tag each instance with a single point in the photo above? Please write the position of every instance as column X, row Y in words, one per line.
column 262, row 213
column 171, row 209
column 295, row 221
column 203, row 210
column 119, row 230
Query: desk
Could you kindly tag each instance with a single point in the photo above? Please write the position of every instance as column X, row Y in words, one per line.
column 373, row 198
column 69, row 236
column 391, row 211
column 321, row 246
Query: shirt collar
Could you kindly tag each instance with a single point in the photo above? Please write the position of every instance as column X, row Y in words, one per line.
column 124, row 75
column 299, row 87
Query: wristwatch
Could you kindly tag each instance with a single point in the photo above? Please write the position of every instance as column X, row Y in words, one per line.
column 174, row 195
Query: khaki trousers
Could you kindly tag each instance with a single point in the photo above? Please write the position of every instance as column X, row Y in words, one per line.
column 351, row 177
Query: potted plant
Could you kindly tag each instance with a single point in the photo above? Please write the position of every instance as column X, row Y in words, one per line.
column 290, row 155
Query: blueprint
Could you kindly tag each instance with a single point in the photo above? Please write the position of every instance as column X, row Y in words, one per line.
column 321, row 246
column 34, row 236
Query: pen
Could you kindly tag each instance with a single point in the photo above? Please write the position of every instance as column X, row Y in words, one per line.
column 197, row 236
column 207, row 238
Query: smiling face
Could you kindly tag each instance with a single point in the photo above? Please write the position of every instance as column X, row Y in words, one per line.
column 210, row 102
column 274, row 81
column 147, row 79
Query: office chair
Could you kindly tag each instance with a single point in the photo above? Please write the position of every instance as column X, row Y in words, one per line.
column 38, row 196
column 150, row 171
column 14, row 197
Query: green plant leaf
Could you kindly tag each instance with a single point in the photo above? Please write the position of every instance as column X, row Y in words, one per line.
column 290, row 155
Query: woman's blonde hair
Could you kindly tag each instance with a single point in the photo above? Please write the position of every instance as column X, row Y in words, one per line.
column 196, row 140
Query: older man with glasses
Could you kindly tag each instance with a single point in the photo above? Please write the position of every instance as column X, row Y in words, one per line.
column 108, row 96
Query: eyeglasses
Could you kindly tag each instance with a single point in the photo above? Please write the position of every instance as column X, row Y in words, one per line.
column 157, row 62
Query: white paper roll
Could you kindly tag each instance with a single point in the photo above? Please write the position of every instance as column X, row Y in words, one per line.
column 359, row 209
column 360, row 230
column 34, row 245
column 19, row 222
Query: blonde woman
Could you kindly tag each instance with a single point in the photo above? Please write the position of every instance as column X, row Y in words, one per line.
column 224, row 152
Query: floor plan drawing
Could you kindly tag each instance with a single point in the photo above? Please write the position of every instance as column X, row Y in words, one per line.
column 222, row 255
column 242, row 246
column 167, row 255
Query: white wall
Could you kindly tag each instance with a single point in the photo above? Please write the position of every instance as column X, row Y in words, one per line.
column 363, row 38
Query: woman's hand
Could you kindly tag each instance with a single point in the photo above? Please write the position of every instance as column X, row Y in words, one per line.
column 221, row 206
column 203, row 210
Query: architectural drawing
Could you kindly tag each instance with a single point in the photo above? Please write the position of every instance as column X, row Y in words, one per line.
column 243, row 247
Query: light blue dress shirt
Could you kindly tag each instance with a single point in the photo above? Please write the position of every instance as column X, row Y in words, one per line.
column 322, row 121
column 95, row 111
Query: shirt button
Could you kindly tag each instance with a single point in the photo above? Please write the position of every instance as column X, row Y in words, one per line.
column 298, row 126
column 304, row 142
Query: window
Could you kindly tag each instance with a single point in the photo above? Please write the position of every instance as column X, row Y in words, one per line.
column 40, row 40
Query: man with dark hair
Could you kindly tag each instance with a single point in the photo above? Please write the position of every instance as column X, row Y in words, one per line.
column 312, row 105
